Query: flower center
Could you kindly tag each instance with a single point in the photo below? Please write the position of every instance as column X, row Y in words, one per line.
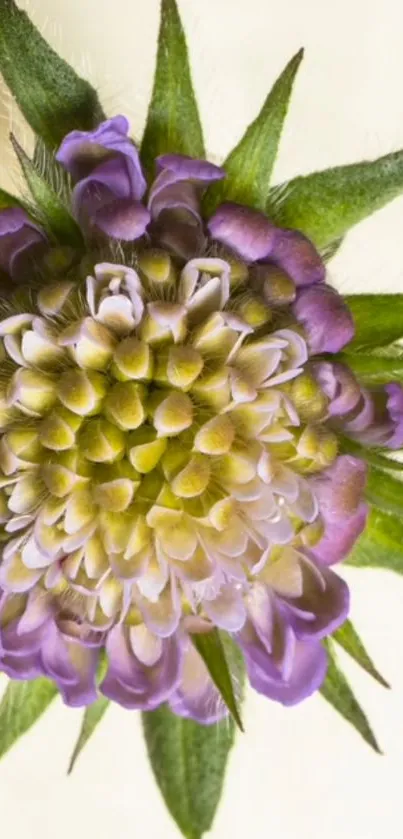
column 155, row 430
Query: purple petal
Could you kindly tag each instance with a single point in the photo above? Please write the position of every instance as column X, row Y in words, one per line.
column 247, row 232
column 123, row 219
column 307, row 672
column 325, row 602
column 20, row 239
column 196, row 696
column 394, row 406
column 340, row 488
column 180, row 182
column 339, row 385
column 297, row 257
column 337, row 541
column 132, row 683
column 327, row 320
column 83, row 151
column 72, row 665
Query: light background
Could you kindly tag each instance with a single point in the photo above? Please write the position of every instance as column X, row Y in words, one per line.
column 301, row 772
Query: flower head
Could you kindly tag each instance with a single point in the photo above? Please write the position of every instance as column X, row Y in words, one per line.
column 168, row 445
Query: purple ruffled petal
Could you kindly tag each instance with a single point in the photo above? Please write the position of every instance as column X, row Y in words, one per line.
column 323, row 606
column 295, row 254
column 180, row 182
column 307, row 672
column 327, row 320
column 339, row 491
column 338, row 540
column 123, row 219
column 134, row 683
column 20, row 240
column 340, row 386
column 247, row 232
column 72, row 664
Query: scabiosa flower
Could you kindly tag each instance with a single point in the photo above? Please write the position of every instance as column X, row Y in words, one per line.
column 169, row 452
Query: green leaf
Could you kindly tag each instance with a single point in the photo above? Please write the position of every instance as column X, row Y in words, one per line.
column 52, row 97
column 7, row 200
column 250, row 164
column 173, row 122
column 378, row 319
column 381, row 543
column 211, row 648
column 337, row 691
column 21, row 706
column 384, row 491
column 91, row 718
column 347, row 637
column 329, row 251
column 374, row 457
column 52, row 210
column 325, row 205
column 189, row 763
column 374, row 369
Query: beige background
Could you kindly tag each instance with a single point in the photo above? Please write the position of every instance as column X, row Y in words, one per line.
column 301, row 772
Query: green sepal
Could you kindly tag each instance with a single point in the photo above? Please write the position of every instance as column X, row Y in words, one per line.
column 337, row 691
column 50, row 94
column 384, row 491
column 249, row 166
column 347, row 638
column 173, row 122
column 381, row 543
column 51, row 209
column 91, row 718
column 189, row 763
column 325, row 205
column 375, row 368
column 210, row 646
column 21, row 706
column 375, row 457
column 378, row 319
column 7, row 201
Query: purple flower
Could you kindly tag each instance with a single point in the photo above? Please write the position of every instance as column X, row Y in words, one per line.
column 327, row 321
column 109, row 182
column 20, row 241
column 253, row 236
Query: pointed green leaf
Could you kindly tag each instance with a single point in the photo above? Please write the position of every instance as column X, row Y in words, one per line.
column 52, row 97
column 52, row 209
column 374, row 369
column 7, row 200
column 325, row 205
column 378, row 319
column 91, row 718
column 381, row 543
column 384, row 491
column 211, row 648
column 337, row 691
column 173, row 122
column 189, row 763
column 330, row 250
column 347, row 637
column 21, row 706
column 250, row 164
column 374, row 457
